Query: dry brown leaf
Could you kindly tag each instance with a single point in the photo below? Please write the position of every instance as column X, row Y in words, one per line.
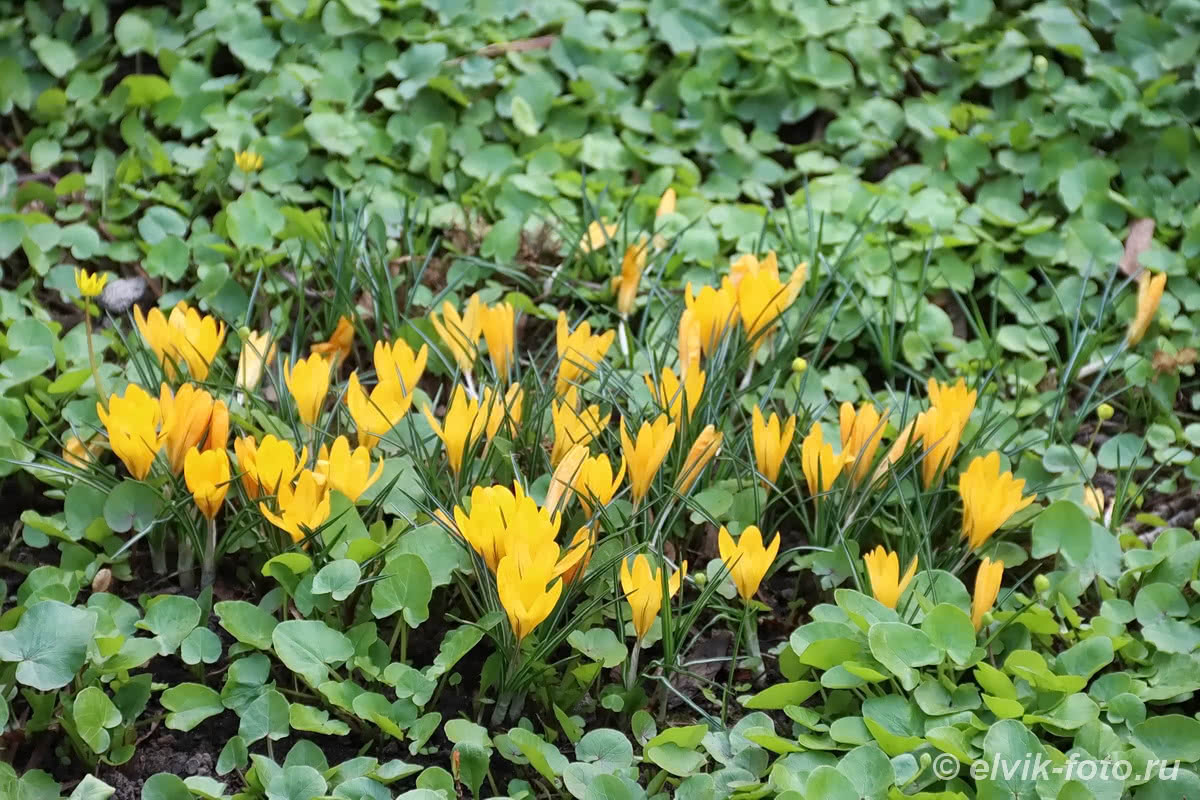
column 1141, row 234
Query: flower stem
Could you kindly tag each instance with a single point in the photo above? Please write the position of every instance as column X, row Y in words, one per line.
column 187, row 558
column 91, row 348
column 208, row 566
column 737, row 640
column 631, row 673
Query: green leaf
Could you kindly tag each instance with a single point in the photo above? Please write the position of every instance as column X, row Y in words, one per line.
column 170, row 618
column 315, row 720
column 91, row 788
column 49, row 644
column 405, row 585
column 337, row 579
column 543, row 756
column 900, row 648
column 190, row 704
column 200, row 646
column 246, row 622
column 94, row 714
column 950, row 630
column 145, row 90
column 783, row 694
column 307, row 646
column 599, row 644
column 1171, row 737
column 57, row 57
column 131, row 506
column 267, row 717
column 607, row 749
column 165, row 786
column 300, row 782
column 253, row 220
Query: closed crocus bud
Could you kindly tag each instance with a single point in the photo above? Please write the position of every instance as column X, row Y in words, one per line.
column 207, row 477
column 257, row 352
column 989, row 498
column 464, row 422
column 704, row 450
column 987, row 589
column 527, row 587
column 132, row 422
column 308, row 383
column 645, row 453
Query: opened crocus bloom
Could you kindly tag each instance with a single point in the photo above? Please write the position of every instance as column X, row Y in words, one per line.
column 644, row 591
column 821, row 467
column 185, row 338
column 499, row 517
column 207, row 477
column 308, row 382
column 989, row 498
column 703, row 450
column 347, row 471
column 747, row 560
column 862, row 432
column 460, row 332
column 573, row 427
column 771, row 442
column 302, row 508
column 132, row 422
column 574, row 559
column 883, row 568
column 461, row 428
column 645, row 454
column 398, row 364
column 689, row 341
column 375, row 414
column 672, row 396
column 1150, row 292
column 987, row 589
column 762, row 298
column 597, row 235
column 189, row 416
column 579, row 352
column 339, row 345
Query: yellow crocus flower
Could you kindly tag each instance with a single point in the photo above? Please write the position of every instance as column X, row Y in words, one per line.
column 348, row 471
column 626, row 284
column 989, row 498
column 747, row 560
column 644, row 592
column 762, row 298
column 956, row 399
column 257, row 352
column 703, row 450
column 862, row 433
column 268, row 467
column 750, row 264
column 375, row 414
column 1150, row 292
column 88, row 284
column 499, row 325
column 302, row 508
column 573, row 427
column 499, row 518
column 1093, row 500
column 883, row 568
column 207, row 477
column 190, row 415
column 645, row 454
column 666, row 203
column 595, row 483
column 597, row 235
column 821, row 467
column 689, row 340
column 339, row 344
column 460, row 332
column 502, row 410
column 132, row 422
column 308, row 382
column 562, row 481
column 714, row 310
column 186, row 337
column 771, row 442
column 579, row 352
column 670, row 394
column 574, row 560
column 397, row 364
column 527, row 586
column 461, row 427
column 987, row 589
column 79, row 453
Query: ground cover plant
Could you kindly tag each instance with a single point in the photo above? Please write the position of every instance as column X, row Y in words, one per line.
column 599, row 400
